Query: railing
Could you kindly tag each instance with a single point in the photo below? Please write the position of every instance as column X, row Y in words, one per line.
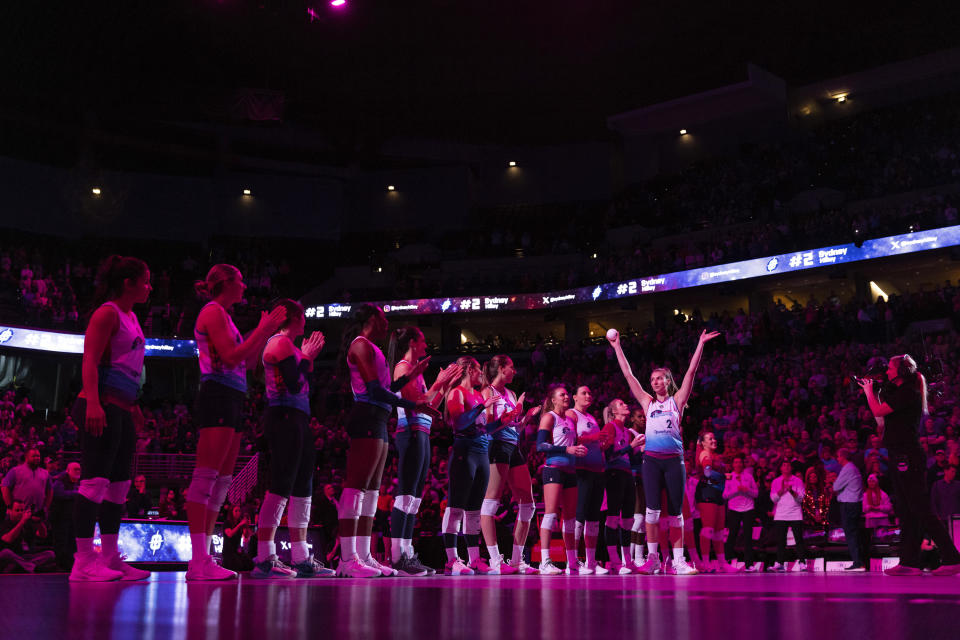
column 166, row 467
column 244, row 481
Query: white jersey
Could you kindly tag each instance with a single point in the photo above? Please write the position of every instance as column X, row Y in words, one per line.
column 663, row 427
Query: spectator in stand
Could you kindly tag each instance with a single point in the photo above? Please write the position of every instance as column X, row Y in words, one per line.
column 945, row 496
column 740, row 493
column 876, row 448
column 877, row 507
column 939, row 466
column 18, row 534
column 237, row 533
column 139, row 502
column 29, row 484
column 787, row 493
column 170, row 508
column 849, row 490
column 65, row 486
column 816, row 501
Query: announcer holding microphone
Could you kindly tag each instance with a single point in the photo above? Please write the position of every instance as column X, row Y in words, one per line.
column 903, row 406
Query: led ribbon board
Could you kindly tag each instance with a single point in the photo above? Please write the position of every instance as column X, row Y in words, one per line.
column 757, row 267
column 40, row 340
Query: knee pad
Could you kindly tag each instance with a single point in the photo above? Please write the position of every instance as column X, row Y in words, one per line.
column 451, row 520
column 404, row 504
column 94, row 489
column 349, row 508
column 219, row 494
column 627, row 523
column 707, row 532
column 549, row 521
column 592, row 529
column 201, row 485
column 471, row 523
column 271, row 511
column 489, row 507
column 569, row 526
column 368, row 505
column 298, row 512
column 720, row 535
column 677, row 521
column 415, row 508
column 653, row 516
column 117, row 492
column 526, row 511
column 637, row 525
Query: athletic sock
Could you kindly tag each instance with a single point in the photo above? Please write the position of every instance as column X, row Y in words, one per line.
column 572, row 559
column 614, row 553
column 348, row 548
column 396, row 549
column 494, row 552
column 517, row 556
column 363, row 547
column 677, row 554
column 474, row 554
column 108, row 544
column 85, row 545
column 451, row 554
column 299, row 552
column 652, row 547
column 198, row 544
column 592, row 557
column 265, row 549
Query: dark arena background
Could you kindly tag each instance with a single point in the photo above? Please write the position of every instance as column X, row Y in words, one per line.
column 761, row 197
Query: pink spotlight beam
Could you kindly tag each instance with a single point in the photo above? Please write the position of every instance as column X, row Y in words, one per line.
column 338, row 3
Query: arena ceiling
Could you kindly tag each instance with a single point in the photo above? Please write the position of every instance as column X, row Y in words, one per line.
column 494, row 71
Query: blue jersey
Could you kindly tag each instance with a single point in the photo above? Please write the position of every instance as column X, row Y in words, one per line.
column 278, row 395
column 472, row 436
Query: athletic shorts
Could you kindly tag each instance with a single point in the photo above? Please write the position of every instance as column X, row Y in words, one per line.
column 568, row 479
column 218, row 405
column 368, row 421
column 708, row 494
column 503, row 452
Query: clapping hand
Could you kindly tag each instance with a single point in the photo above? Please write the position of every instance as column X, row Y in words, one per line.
column 313, row 345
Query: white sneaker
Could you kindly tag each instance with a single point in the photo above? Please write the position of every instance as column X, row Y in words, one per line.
column 547, row 568
column 524, row 569
column 456, row 567
column 681, row 568
column 130, row 574
column 89, row 567
column 599, row 569
column 384, row 570
column 649, row 567
column 499, row 566
column 353, row 568
column 205, row 569
column 579, row 569
column 620, row 569
column 480, row 566
column 726, row 567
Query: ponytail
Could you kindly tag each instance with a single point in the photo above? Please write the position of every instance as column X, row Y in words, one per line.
column 112, row 276
column 212, row 286
column 360, row 318
column 400, row 340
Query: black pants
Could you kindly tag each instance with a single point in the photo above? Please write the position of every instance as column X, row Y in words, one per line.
column 109, row 455
column 664, row 473
column 413, row 462
column 851, row 516
column 620, row 493
column 469, row 473
column 912, row 505
column 590, row 486
column 292, row 453
column 735, row 522
column 780, row 533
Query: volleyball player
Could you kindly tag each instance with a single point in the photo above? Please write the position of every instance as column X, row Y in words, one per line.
column 663, row 457
column 591, row 479
column 619, row 486
column 508, row 466
column 413, row 443
column 113, row 350
column 711, row 503
column 224, row 359
column 286, row 426
column 469, row 465
column 557, row 438
column 367, row 427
